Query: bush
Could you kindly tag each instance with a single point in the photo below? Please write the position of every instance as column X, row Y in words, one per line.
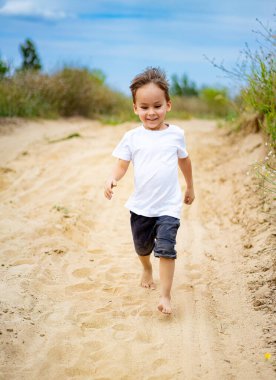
column 185, row 106
column 22, row 95
column 257, row 75
column 68, row 92
column 260, row 93
column 210, row 103
column 217, row 101
column 75, row 92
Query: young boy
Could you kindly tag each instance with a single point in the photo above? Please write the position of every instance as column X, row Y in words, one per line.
column 155, row 148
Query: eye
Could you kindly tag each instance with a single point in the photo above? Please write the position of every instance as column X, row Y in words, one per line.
column 144, row 108
column 157, row 106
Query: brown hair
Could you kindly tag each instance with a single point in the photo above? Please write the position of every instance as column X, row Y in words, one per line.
column 150, row 75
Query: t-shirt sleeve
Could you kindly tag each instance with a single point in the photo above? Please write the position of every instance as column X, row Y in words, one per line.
column 181, row 147
column 123, row 150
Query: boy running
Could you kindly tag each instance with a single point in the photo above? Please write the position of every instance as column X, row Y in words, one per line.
column 155, row 149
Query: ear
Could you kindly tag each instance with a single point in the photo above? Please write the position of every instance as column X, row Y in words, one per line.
column 135, row 109
column 169, row 106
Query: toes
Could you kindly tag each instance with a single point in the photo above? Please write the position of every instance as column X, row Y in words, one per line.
column 148, row 285
column 145, row 285
column 164, row 309
column 152, row 285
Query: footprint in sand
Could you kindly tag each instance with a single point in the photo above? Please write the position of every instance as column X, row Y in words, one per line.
column 120, row 314
column 21, row 262
column 143, row 336
column 146, row 313
column 191, row 266
column 58, row 353
column 21, row 267
column 132, row 302
column 195, row 275
column 122, row 327
column 81, row 272
column 94, row 345
column 123, row 332
column 114, row 290
column 110, row 277
column 104, row 309
column 91, row 321
column 105, row 261
column 81, row 287
column 194, row 271
column 158, row 363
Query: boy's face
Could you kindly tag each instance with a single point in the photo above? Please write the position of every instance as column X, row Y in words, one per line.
column 151, row 106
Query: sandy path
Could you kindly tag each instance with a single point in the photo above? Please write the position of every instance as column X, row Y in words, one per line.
column 71, row 307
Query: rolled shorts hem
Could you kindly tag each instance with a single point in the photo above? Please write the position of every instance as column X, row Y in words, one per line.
column 165, row 256
column 143, row 254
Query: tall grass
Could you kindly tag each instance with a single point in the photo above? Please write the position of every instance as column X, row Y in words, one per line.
column 260, row 93
column 69, row 92
column 256, row 73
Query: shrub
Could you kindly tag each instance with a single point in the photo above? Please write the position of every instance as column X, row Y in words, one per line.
column 217, row 100
column 68, row 92
column 257, row 76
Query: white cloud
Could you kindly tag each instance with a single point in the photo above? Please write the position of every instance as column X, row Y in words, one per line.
column 31, row 9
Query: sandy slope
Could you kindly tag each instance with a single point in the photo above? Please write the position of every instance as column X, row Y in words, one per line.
column 70, row 304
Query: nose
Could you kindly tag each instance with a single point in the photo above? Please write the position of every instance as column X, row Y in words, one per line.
column 151, row 111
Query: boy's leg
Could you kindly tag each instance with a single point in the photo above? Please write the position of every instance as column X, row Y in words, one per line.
column 166, row 272
column 146, row 280
column 164, row 248
column 143, row 232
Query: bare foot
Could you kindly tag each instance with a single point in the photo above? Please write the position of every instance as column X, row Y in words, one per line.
column 165, row 305
column 147, row 280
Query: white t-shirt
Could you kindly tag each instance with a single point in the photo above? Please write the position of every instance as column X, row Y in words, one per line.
column 154, row 155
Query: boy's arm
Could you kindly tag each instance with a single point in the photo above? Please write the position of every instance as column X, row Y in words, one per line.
column 118, row 172
column 186, row 168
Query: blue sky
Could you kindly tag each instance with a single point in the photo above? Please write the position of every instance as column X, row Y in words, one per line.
column 122, row 37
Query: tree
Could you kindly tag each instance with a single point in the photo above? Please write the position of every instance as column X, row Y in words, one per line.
column 4, row 68
column 183, row 86
column 31, row 60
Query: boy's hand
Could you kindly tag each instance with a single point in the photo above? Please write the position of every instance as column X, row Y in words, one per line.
column 189, row 196
column 108, row 188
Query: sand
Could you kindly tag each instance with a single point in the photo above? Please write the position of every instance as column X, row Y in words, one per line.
column 71, row 305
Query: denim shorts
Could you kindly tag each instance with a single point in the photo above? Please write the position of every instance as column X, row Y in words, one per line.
column 154, row 233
